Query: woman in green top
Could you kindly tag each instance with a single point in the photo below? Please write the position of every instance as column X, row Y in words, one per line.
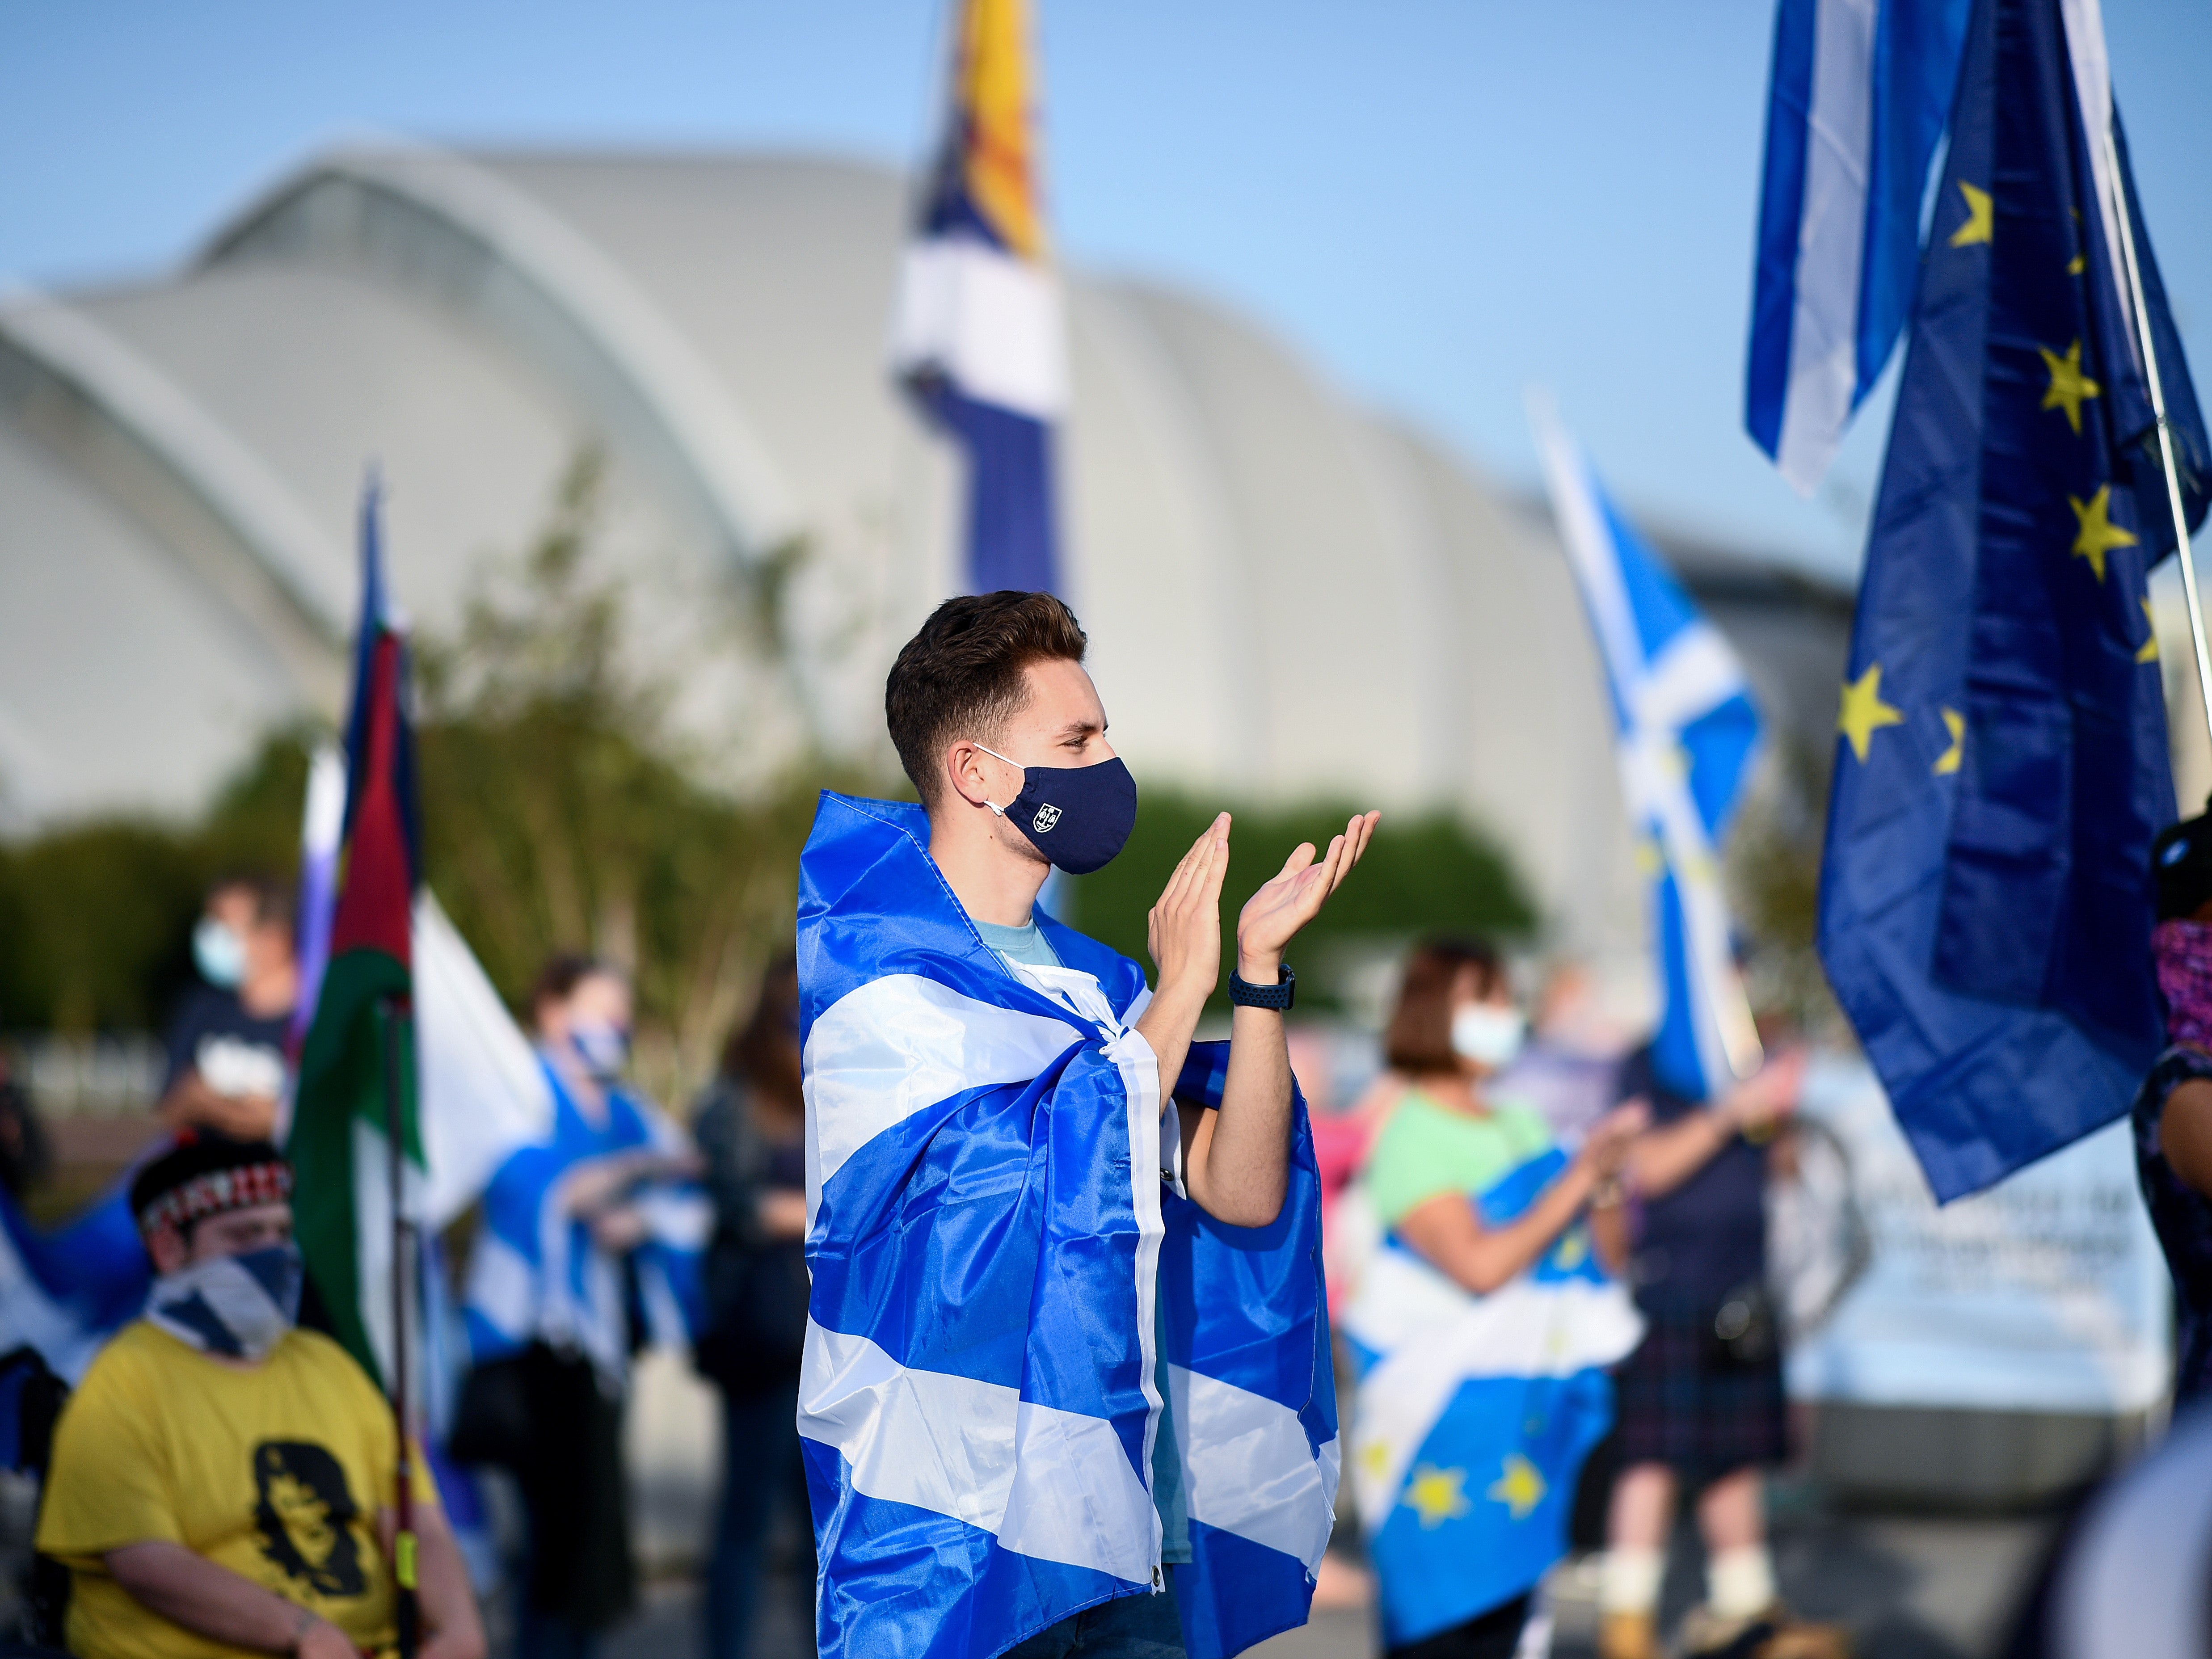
column 1495, row 1371
column 1455, row 1027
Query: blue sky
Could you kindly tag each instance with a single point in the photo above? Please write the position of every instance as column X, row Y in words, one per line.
column 1437, row 203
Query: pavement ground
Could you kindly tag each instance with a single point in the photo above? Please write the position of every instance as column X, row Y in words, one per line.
column 1907, row 1587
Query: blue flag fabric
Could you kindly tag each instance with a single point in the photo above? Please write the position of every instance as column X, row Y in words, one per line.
column 535, row 1272
column 1985, row 908
column 1859, row 93
column 1688, row 737
column 64, row 1292
column 1476, row 1412
column 988, row 1229
column 978, row 338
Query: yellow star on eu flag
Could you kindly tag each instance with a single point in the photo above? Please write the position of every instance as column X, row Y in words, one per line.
column 2069, row 387
column 1437, row 1495
column 2097, row 535
column 1520, row 1488
column 2148, row 651
column 1981, row 220
column 1864, row 711
column 1949, row 761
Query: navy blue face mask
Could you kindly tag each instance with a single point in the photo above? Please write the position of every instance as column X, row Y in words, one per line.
column 1078, row 817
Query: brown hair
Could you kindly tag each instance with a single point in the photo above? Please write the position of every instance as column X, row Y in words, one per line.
column 764, row 1050
column 562, row 973
column 1417, row 1040
column 961, row 676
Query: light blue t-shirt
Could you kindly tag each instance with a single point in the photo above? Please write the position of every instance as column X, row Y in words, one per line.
column 1027, row 943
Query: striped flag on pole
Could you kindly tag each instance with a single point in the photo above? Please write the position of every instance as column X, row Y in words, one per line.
column 341, row 1139
column 1860, row 95
column 977, row 336
column 1688, row 734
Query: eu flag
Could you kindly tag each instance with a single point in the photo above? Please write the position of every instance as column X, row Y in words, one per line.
column 2001, row 765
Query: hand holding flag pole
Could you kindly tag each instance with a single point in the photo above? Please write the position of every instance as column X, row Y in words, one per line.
column 2141, row 317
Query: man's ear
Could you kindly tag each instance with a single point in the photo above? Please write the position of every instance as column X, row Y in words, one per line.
column 167, row 1247
column 964, row 773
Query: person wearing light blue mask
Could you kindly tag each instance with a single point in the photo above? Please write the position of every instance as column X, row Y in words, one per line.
column 226, row 1041
column 567, row 1224
column 222, row 1481
column 1472, row 1185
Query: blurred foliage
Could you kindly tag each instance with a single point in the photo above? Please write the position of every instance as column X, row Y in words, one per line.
column 1773, row 858
column 557, row 814
column 1422, row 873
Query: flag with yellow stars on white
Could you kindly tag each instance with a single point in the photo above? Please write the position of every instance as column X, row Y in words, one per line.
column 2001, row 756
column 1474, row 1413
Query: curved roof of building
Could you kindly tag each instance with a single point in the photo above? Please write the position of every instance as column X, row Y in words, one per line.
column 1286, row 596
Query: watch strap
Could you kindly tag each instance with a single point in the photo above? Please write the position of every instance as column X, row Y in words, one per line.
column 1280, row 996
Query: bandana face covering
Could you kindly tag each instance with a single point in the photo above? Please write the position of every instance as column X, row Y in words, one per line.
column 2182, row 952
column 236, row 1306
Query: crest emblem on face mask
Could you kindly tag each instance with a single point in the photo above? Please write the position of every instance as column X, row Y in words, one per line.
column 1047, row 816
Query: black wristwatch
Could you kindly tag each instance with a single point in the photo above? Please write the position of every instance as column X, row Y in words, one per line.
column 1279, row 996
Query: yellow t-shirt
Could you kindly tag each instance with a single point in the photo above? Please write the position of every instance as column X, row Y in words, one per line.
column 277, row 1473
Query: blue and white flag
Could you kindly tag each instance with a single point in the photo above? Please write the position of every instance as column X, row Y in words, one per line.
column 1688, row 736
column 1476, row 1412
column 1860, row 95
column 977, row 336
column 537, row 1274
column 63, row 1293
column 989, row 1226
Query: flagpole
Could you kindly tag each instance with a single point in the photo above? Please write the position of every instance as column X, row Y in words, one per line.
column 2126, row 223
column 407, row 1608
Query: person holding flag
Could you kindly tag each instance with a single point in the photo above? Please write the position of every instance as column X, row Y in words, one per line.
column 224, row 1482
column 1482, row 1326
column 1066, row 1382
column 2001, row 764
column 1701, row 1398
column 977, row 337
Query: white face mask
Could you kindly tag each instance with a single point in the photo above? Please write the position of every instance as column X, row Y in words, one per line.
column 1488, row 1034
column 218, row 953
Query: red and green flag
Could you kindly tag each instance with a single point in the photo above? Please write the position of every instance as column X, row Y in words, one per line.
column 360, row 1047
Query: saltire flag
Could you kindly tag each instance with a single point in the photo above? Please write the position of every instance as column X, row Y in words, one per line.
column 65, row 1291
column 1686, row 737
column 977, row 336
column 1476, row 1412
column 1857, row 104
column 2002, row 766
column 988, row 1226
column 340, row 1145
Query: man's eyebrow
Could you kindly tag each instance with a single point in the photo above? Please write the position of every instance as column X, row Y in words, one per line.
column 1080, row 728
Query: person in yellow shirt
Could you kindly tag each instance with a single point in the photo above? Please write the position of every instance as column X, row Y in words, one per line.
column 223, row 1482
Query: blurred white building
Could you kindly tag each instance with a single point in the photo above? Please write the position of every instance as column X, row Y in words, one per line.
column 1287, row 596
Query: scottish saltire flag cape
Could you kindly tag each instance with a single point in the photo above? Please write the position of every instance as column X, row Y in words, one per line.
column 1474, row 1414
column 536, row 1272
column 65, row 1291
column 977, row 335
column 988, row 1227
column 340, row 1145
column 1985, row 903
column 1688, row 734
column 1858, row 97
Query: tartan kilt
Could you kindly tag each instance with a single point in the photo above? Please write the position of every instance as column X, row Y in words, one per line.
column 1686, row 1403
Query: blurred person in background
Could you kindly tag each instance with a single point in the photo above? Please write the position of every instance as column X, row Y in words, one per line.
column 551, row 1309
column 2172, row 1115
column 1569, row 1067
column 1701, row 1399
column 222, row 1481
column 751, row 1127
column 226, row 1043
column 1450, row 1139
column 25, row 1154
